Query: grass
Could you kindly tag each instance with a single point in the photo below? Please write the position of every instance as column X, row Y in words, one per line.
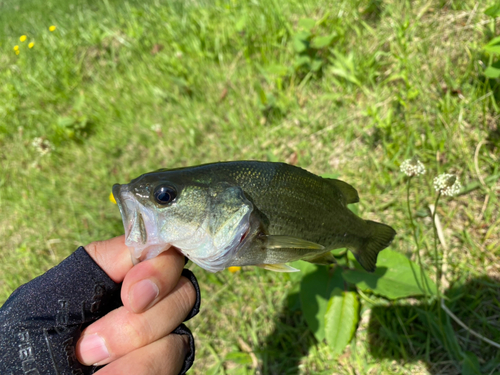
column 122, row 88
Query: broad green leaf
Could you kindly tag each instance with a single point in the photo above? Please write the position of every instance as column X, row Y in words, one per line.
column 493, row 11
column 316, row 65
column 302, row 60
column 395, row 277
column 341, row 319
column 354, row 208
column 307, row 23
column 239, row 357
column 304, row 267
column 300, row 41
column 493, row 42
column 262, row 95
column 493, row 45
column 319, row 42
column 241, row 24
column 299, row 45
column 277, row 69
column 470, row 365
column 293, row 298
column 315, row 290
column 339, row 252
column 65, row 121
column 493, row 49
column 492, row 72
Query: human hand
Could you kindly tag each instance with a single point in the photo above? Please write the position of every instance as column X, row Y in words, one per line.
column 41, row 322
column 136, row 338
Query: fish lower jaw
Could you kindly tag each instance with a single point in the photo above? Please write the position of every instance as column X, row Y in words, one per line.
column 141, row 252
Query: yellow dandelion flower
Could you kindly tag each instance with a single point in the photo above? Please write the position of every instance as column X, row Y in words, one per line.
column 31, row 44
column 234, row 269
column 112, row 198
column 52, row 28
column 17, row 52
column 16, row 48
column 22, row 38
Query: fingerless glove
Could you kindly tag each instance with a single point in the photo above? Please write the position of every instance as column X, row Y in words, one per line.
column 42, row 320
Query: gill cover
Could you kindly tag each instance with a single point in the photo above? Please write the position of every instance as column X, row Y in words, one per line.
column 226, row 224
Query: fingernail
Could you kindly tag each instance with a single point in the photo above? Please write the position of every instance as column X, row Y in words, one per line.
column 142, row 295
column 93, row 349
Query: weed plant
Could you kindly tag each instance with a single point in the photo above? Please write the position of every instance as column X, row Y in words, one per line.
column 349, row 88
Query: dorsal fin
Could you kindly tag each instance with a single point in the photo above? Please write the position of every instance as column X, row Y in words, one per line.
column 350, row 194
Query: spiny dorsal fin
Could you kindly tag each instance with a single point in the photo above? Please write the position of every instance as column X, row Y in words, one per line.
column 350, row 194
column 287, row 242
column 278, row 267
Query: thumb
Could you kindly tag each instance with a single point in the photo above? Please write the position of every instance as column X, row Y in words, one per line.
column 112, row 256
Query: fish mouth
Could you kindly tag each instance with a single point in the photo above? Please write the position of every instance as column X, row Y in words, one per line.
column 141, row 235
column 125, row 209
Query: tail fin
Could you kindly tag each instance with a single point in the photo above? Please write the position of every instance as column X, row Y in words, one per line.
column 381, row 237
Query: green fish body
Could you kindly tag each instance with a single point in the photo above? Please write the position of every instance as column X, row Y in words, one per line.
column 246, row 213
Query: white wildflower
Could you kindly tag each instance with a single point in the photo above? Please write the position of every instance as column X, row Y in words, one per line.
column 412, row 167
column 447, row 184
column 43, row 146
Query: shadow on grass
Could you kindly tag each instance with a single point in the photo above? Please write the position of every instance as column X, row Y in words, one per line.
column 289, row 342
column 411, row 332
column 405, row 333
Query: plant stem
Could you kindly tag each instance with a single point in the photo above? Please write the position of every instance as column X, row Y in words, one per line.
column 462, row 324
column 415, row 238
column 436, row 258
column 438, row 273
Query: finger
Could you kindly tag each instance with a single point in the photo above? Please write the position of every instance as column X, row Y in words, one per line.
column 120, row 332
column 151, row 280
column 165, row 356
column 112, row 256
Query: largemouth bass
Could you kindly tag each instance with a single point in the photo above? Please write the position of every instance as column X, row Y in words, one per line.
column 246, row 213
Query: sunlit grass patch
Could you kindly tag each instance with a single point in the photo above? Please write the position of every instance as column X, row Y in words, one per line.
column 99, row 93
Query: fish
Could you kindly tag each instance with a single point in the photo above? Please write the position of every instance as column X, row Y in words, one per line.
column 243, row 213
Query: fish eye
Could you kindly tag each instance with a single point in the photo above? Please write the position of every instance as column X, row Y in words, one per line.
column 164, row 194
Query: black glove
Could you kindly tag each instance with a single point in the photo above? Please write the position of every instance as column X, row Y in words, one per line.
column 42, row 320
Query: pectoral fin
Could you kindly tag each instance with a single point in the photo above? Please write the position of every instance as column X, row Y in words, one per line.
column 278, row 267
column 286, row 242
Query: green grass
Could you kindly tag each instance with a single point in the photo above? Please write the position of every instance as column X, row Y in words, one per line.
column 221, row 80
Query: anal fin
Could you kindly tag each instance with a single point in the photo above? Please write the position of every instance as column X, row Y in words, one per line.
column 278, row 267
column 324, row 259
